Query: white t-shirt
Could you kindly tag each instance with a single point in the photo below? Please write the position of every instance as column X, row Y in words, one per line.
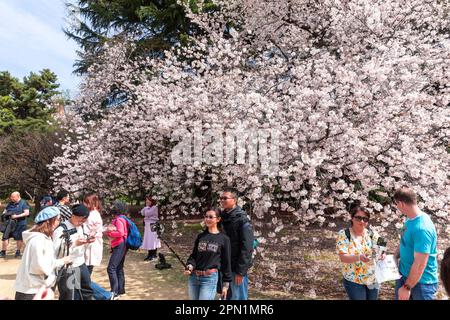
column 94, row 227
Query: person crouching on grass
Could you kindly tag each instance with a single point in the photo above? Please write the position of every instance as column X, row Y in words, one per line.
column 211, row 255
column 37, row 268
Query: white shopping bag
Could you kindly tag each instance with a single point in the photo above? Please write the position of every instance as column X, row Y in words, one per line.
column 386, row 270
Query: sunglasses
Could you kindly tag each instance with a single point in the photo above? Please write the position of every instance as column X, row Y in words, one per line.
column 361, row 218
column 224, row 198
column 210, row 217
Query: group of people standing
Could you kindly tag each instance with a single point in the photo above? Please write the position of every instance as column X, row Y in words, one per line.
column 65, row 244
column 416, row 255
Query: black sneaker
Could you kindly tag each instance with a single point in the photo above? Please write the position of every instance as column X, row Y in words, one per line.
column 17, row 255
column 2, row 254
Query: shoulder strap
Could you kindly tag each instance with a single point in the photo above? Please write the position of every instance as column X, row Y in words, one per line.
column 62, row 225
column 347, row 234
column 126, row 220
column 128, row 225
column 349, row 237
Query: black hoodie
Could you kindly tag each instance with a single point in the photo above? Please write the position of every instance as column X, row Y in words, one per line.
column 238, row 228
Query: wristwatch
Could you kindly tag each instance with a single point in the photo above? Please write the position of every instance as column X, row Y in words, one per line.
column 407, row 287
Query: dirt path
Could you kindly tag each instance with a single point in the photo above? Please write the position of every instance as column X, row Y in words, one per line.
column 143, row 280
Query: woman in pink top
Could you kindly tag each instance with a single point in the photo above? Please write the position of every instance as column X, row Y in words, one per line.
column 151, row 241
column 93, row 227
column 118, row 235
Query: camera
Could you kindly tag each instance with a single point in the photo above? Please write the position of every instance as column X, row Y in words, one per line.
column 380, row 246
column 68, row 232
column 6, row 216
column 381, row 242
column 158, row 228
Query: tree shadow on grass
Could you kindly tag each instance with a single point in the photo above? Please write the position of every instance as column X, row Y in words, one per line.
column 143, row 281
column 8, row 276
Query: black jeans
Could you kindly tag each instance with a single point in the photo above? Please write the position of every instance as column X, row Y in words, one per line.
column 115, row 268
column 75, row 284
column 90, row 269
column 23, row 296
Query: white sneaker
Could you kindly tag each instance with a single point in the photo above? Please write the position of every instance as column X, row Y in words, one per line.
column 114, row 296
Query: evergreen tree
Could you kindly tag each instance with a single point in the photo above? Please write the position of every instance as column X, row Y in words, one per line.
column 26, row 104
column 155, row 25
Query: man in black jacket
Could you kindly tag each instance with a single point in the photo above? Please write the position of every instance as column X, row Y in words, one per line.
column 238, row 228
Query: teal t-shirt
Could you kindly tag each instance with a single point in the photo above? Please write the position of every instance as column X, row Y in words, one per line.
column 419, row 235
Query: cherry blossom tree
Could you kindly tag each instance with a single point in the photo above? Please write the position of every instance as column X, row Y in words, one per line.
column 358, row 91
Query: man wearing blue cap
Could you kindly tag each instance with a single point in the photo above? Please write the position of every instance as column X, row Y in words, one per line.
column 70, row 238
column 46, row 201
column 38, row 265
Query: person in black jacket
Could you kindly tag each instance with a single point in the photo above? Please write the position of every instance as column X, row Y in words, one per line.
column 445, row 271
column 238, row 227
column 211, row 255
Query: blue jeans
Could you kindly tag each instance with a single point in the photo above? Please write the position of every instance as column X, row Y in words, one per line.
column 203, row 287
column 238, row 292
column 115, row 268
column 420, row 291
column 356, row 291
column 99, row 292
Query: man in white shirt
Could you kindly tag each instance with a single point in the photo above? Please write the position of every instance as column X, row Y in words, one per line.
column 75, row 281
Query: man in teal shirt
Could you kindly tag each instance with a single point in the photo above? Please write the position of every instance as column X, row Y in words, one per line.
column 418, row 251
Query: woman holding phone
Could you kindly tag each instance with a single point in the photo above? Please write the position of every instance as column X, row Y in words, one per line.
column 355, row 248
column 211, row 255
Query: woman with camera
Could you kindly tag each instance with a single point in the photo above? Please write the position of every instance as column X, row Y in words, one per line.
column 150, row 241
column 211, row 255
column 355, row 248
column 38, row 265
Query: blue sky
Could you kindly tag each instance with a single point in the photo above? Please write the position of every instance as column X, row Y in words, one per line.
column 31, row 39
